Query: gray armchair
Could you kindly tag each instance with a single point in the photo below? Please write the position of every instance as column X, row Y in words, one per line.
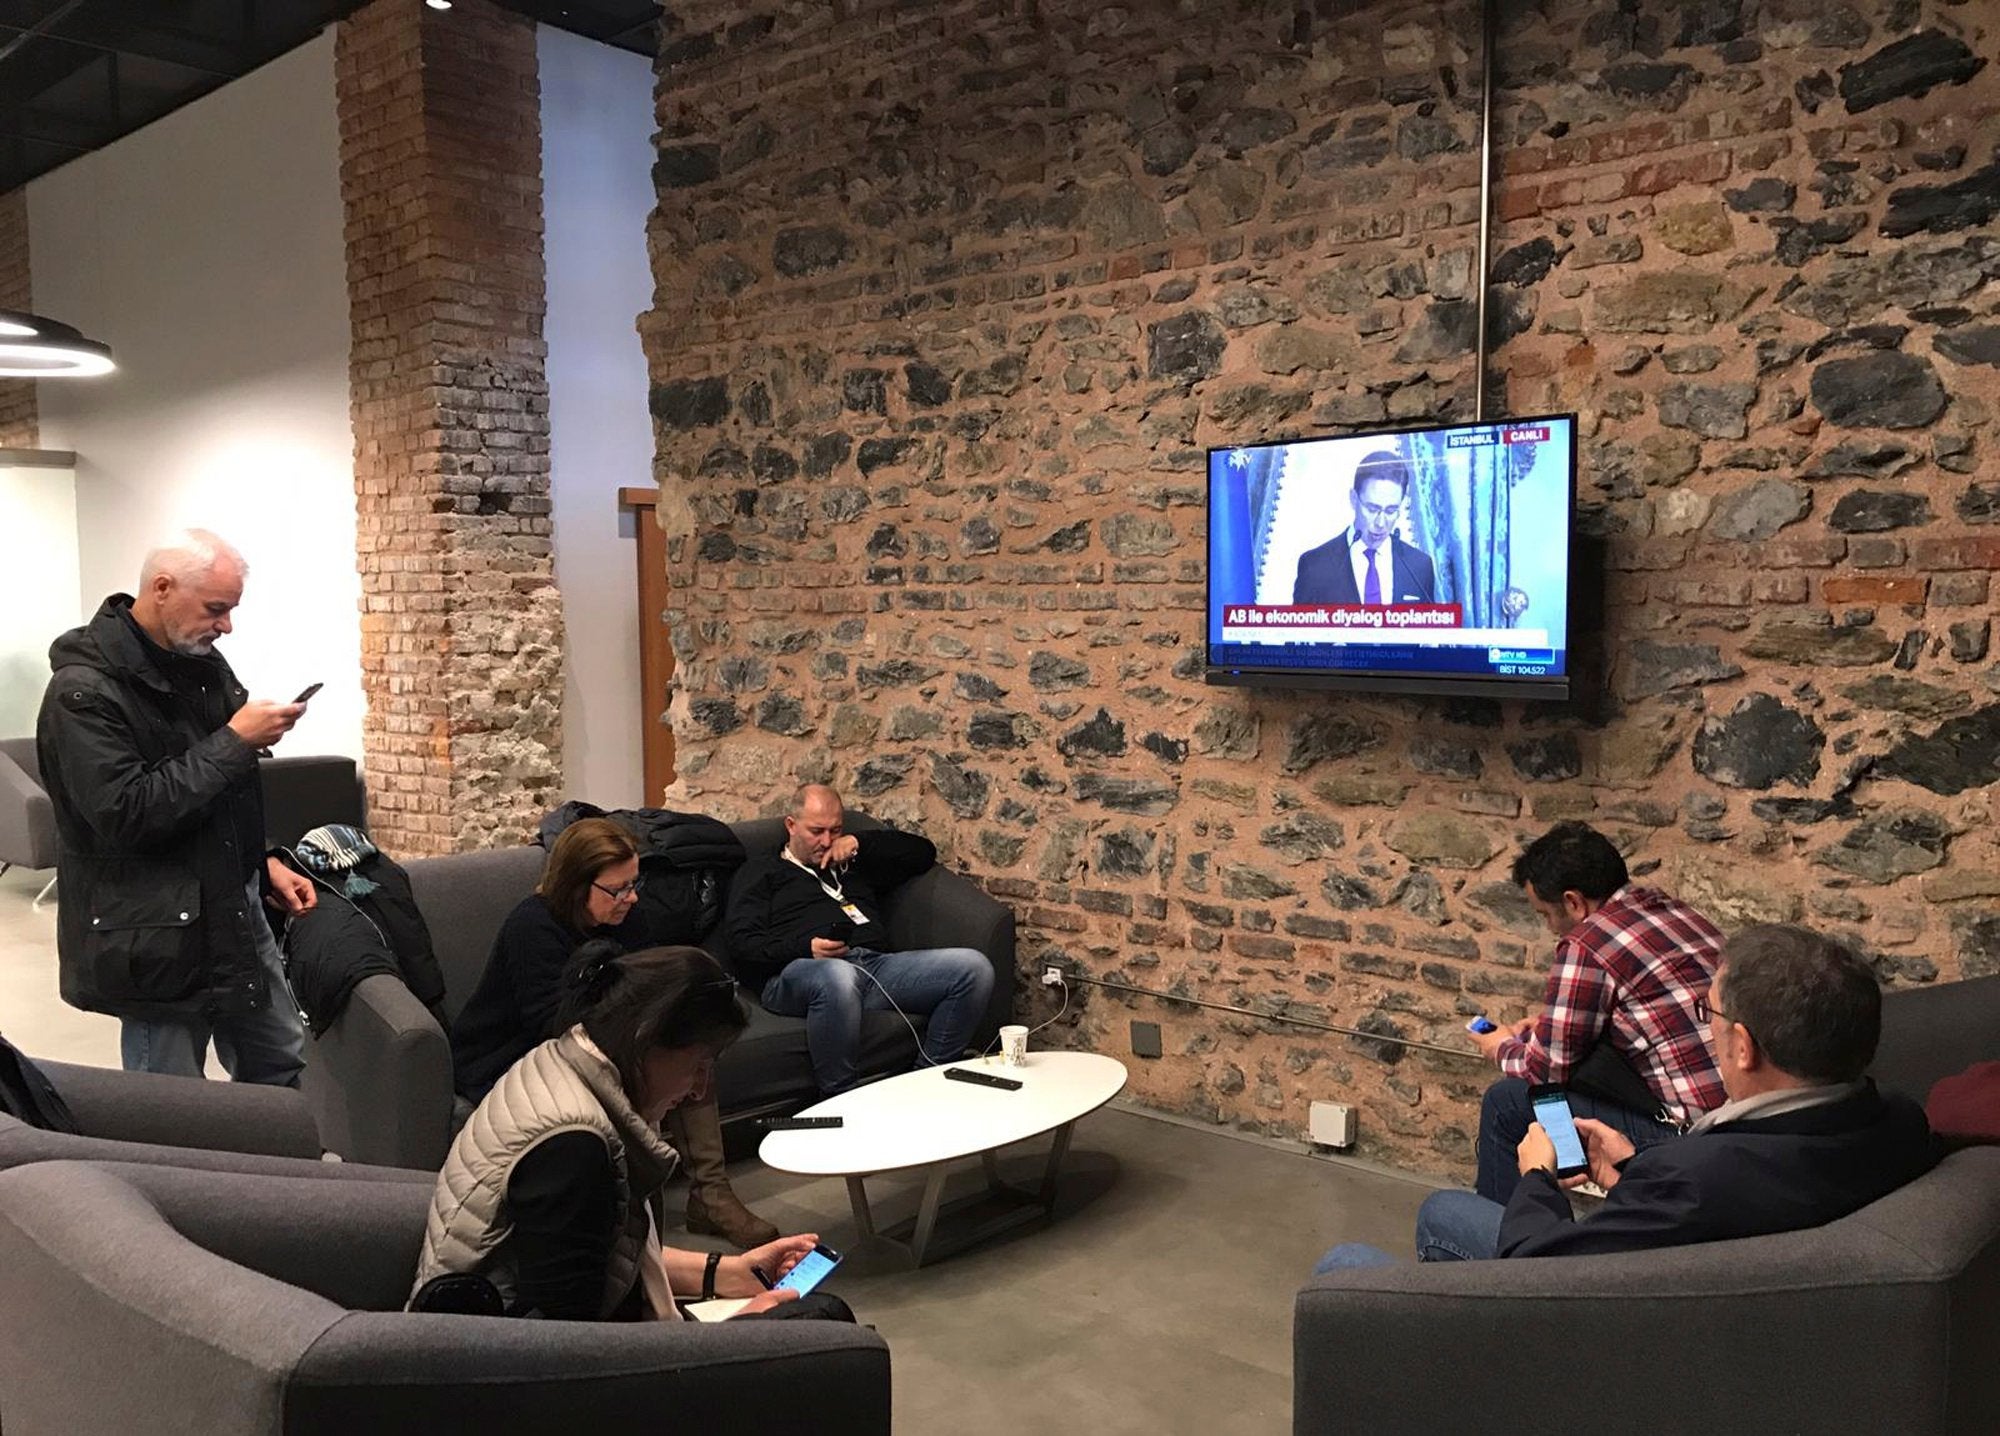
column 142, row 1117
column 1886, row 1320
column 379, row 1078
column 251, row 1306
column 27, row 821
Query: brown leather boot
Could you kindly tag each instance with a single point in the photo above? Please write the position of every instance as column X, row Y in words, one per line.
column 713, row 1208
column 717, row 1212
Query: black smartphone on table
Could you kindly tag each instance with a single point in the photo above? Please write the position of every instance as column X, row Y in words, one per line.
column 1551, row 1107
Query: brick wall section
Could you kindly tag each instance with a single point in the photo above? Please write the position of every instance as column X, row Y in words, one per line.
column 440, row 169
column 18, row 427
column 951, row 299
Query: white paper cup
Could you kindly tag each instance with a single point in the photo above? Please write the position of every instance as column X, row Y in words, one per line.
column 1014, row 1046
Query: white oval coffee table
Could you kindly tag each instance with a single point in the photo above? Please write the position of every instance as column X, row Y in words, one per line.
column 922, row 1120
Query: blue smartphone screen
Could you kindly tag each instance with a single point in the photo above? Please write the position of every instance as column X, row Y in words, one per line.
column 1553, row 1113
column 812, row 1269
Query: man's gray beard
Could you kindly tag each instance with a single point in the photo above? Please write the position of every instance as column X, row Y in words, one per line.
column 194, row 647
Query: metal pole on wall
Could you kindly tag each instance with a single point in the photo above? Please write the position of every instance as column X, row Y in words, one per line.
column 1488, row 24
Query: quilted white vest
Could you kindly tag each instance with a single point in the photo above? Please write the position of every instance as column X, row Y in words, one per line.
column 564, row 1085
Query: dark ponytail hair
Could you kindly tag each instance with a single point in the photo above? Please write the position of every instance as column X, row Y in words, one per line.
column 632, row 1002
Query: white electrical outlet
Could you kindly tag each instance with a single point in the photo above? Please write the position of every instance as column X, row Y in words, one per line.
column 1331, row 1124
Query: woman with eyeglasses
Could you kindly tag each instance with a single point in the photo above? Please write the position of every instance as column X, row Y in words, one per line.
column 589, row 889
column 542, row 1207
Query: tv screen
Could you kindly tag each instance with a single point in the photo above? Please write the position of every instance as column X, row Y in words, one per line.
column 1430, row 560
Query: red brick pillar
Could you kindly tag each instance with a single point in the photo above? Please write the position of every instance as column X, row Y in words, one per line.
column 461, row 648
column 18, row 429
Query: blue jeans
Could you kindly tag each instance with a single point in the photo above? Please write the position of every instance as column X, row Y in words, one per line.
column 1504, row 1119
column 951, row 984
column 1451, row 1226
column 266, row 1046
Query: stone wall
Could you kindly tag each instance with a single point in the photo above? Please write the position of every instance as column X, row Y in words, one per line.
column 440, row 167
column 18, row 425
column 952, row 297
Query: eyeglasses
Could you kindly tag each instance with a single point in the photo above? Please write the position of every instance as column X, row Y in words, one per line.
column 1704, row 1009
column 623, row 890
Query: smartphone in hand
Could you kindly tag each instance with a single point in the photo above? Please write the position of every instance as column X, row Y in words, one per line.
column 309, row 693
column 1481, row 1025
column 1551, row 1107
column 811, row 1269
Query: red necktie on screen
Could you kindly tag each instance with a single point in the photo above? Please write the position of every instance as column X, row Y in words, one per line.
column 1373, row 593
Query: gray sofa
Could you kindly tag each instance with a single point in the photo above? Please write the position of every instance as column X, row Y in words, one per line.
column 27, row 822
column 379, row 1078
column 139, row 1299
column 145, row 1118
column 1885, row 1321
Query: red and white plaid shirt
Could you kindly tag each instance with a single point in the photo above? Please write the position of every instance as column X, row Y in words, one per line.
column 1630, row 972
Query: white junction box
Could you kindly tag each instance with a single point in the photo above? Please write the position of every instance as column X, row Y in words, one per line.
column 1331, row 1124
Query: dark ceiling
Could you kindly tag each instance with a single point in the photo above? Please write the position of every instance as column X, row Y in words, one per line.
column 77, row 74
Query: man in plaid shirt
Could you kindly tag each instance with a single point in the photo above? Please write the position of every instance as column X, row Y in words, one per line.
column 1631, row 965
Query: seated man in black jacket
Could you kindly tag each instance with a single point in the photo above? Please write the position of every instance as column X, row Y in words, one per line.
column 1804, row 1138
column 805, row 933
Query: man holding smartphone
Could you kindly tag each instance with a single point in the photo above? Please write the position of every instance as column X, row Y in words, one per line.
column 806, row 933
column 148, row 747
column 1803, row 1139
column 1618, row 1025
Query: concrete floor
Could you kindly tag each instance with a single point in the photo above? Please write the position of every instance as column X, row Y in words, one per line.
column 1158, row 1299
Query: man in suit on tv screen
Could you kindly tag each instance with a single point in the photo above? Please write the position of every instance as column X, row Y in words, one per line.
column 1368, row 563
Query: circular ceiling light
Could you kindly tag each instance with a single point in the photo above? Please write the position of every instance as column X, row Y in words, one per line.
column 32, row 347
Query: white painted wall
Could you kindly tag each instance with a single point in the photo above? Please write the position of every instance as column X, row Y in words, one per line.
column 206, row 249
column 38, row 507
column 597, row 188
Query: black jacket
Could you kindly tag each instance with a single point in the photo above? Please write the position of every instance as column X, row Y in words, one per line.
column 341, row 940
column 776, row 908
column 685, row 858
column 1739, row 1179
column 159, row 821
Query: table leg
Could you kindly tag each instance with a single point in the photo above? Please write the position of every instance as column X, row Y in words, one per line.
column 864, row 1219
column 927, row 1212
column 1058, row 1149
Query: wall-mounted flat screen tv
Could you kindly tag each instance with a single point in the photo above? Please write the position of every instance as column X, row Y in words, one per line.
column 1430, row 560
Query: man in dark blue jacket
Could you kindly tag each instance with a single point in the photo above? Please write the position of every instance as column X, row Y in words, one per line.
column 1804, row 1138
column 806, row 933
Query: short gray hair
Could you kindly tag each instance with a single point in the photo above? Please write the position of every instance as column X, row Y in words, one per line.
column 189, row 555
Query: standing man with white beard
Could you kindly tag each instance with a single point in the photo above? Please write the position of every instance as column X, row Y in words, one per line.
column 148, row 747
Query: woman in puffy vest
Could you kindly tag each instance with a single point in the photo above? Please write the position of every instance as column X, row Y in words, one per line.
column 589, row 889
column 544, row 1195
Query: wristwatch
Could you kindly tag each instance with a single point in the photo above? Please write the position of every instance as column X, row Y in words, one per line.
column 708, row 1276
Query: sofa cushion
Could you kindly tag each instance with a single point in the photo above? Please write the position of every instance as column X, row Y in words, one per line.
column 768, row 1067
column 464, row 898
column 1934, row 1032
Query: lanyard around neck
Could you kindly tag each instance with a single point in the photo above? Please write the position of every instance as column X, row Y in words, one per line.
column 831, row 888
